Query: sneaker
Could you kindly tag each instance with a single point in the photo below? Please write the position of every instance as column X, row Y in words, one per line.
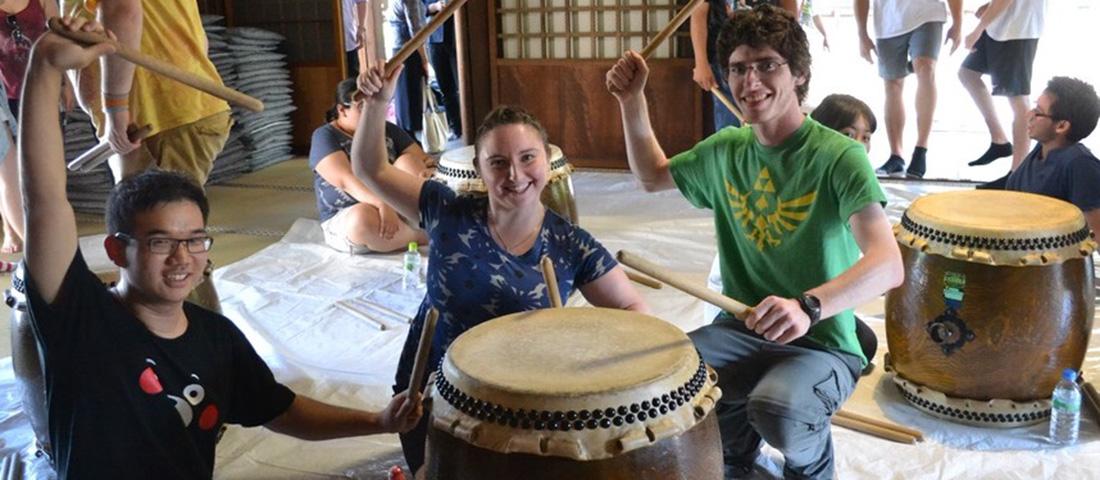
column 917, row 163
column 894, row 167
column 737, row 471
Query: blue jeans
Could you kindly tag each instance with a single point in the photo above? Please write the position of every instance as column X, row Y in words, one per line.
column 723, row 117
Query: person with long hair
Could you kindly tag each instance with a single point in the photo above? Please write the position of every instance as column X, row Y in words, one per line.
column 354, row 218
column 486, row 250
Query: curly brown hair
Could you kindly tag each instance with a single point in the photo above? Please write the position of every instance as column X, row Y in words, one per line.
column 768, row 26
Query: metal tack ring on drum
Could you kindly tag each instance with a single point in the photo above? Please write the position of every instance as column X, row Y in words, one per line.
column 989, row 413
column 596, row 418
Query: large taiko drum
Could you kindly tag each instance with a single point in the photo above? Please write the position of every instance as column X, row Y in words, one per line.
column 997, row 301
column 27, row 361
column 456, row 169
column 577, row 393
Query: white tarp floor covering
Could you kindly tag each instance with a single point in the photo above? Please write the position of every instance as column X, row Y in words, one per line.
column 332, row 326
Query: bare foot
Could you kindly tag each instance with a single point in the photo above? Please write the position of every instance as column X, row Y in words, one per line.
column 11, row 246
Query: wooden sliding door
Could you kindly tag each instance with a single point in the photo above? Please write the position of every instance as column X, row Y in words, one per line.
column 551, row 56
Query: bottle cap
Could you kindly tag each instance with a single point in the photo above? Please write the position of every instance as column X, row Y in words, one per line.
column 412, row 246
column 1069, row 374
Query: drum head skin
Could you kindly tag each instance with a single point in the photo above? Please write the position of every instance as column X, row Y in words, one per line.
column 996, row 228
column 581, row 383
column 550, row 358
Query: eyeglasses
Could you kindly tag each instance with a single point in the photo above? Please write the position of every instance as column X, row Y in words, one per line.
column 167, row 246
column 1039, row 113
column 17, row 35
column 763, row 68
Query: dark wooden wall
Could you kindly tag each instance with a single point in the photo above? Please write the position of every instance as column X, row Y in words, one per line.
column 571, row 101
column 314, row 48
column 568, row 96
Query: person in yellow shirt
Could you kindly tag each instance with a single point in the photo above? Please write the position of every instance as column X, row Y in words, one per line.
column 189, row 127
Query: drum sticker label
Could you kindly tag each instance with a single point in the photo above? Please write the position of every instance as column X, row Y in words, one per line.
column 953, row 284
column 948, row 330
column 765, row 218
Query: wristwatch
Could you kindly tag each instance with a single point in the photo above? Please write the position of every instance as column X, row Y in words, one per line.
column 812, row 306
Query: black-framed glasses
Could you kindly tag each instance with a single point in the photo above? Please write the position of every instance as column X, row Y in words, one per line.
column 763, row 68
column 1039, row 113
column 17, row 34
column 165, row 245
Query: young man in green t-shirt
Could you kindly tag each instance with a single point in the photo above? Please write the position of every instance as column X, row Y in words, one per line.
column 795, row 204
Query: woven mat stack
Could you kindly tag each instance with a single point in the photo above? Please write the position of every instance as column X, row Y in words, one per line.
column 262, row 73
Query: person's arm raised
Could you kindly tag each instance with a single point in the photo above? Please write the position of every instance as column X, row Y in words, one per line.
column 626, row 81
column 369, row 159
column 51, row 237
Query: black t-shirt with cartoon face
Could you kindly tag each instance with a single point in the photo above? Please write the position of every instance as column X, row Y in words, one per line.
column 124, row 403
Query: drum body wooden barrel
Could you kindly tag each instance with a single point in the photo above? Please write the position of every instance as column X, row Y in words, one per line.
column 27, row 361
column 997, row 301
column 456, row 169
column 577, row 393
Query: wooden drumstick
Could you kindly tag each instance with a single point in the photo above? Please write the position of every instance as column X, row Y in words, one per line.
column 729, row 105
column 640, row 264
column 843, row 418
column 420, row 37
column 875, row 430
column 674, row 24
column 372, row 46
column 98, row 154
column 642, row 279
column 551, row 279
column 420, row 364
column 161, row 67
column 845, row 414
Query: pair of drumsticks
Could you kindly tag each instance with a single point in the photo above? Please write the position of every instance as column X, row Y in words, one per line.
column 844, row 418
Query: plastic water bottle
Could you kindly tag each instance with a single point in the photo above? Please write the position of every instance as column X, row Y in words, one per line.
column 1065, row 412
column 410, row 277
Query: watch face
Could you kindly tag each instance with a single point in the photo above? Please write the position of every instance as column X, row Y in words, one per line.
column 813, row 302
column 811, row 305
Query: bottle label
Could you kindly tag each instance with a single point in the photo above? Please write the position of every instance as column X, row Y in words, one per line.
column 1066, row 406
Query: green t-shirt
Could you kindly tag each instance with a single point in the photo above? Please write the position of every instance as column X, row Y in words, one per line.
column 781, row 213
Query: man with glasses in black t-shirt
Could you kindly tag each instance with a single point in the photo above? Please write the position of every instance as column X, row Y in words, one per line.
column 138, row 381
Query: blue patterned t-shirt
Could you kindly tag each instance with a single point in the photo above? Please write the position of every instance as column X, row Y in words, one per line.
column 471, row 279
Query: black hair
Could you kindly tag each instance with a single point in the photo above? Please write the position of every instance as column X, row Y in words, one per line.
column 146, row 190
column 345, row 95
column 1075, row 102
column 838, row 111
column 768, row 26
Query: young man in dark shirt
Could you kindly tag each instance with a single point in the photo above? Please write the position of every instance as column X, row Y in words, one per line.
column 138, row 382
column 1059, row 166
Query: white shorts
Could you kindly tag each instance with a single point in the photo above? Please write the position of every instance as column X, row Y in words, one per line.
column 336, row 234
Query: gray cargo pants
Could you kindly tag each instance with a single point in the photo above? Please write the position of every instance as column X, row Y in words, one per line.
column 783, row 394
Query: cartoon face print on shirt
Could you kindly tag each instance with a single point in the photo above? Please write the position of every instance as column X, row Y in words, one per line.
column 187, row 403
